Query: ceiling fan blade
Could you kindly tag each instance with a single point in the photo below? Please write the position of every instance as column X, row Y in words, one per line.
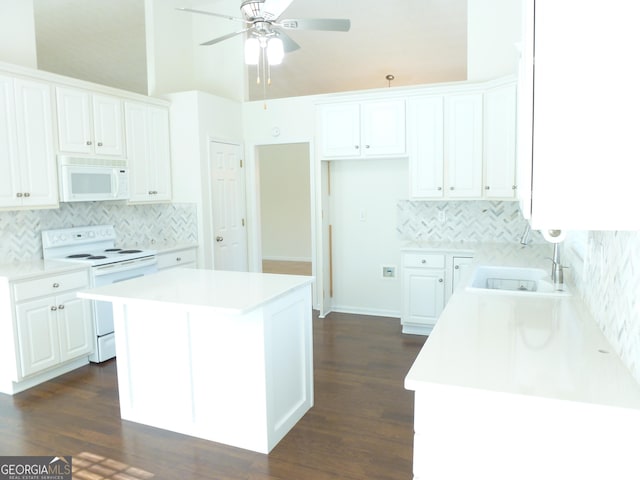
column 288, row 43
column 329, row 24
column 228, row 17
column 224, row 37
column 272, row 9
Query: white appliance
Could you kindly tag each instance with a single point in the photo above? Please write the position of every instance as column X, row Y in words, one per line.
column 92, row 179
column 95, row 246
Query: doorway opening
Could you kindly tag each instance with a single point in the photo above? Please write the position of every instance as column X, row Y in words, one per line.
column 285, row 208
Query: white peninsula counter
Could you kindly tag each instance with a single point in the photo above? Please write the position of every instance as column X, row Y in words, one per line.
column 224, row 356
column 521, row 386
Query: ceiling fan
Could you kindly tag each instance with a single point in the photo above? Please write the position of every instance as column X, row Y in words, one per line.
column 265, row 29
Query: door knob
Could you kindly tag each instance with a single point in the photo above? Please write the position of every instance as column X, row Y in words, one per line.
column 219, row 238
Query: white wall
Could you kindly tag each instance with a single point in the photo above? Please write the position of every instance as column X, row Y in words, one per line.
column 285, row 202
column 494, row 27
column 197, row 118
column 286, row 120
column 364, row 194
column 17, row 33
column 176, row 62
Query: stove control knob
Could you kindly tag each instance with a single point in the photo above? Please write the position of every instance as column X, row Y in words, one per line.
column 63, row 238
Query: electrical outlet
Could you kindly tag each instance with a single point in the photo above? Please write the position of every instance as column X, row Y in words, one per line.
column 389, row 271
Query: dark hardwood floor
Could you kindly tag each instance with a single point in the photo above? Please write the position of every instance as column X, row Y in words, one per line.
column 361, row 426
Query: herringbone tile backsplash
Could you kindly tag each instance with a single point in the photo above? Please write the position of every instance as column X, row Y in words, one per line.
column 135, row 225
column 610, row 286
column 461, row 221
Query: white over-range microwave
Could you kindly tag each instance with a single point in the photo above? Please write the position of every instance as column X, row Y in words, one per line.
column 92, row 179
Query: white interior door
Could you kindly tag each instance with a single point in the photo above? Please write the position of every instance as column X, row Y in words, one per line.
column 228, row 207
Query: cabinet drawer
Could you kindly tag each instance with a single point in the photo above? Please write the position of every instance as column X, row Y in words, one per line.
column 426, row 260
column 177, row 258
column 50, row 285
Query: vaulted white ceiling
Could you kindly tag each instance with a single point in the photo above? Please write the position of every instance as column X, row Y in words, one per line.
column 417, row 41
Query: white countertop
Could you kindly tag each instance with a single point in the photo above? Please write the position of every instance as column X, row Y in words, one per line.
column 35, row 268
column 197, row 289
column 536, row 345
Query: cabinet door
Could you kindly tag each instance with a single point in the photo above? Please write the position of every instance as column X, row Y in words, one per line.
column 426, row 117
column 107, row 125
column 463, row 146
column 138, row 154
column 34, row 119
column 75, row 326
column 383, row 128
column 9, row 165
column 37, row 335
column 160, row 181
column 423, row 291
column 460, row 264
column 340, row 135
column 74, row 121
column 148, row 153
column 500, row 143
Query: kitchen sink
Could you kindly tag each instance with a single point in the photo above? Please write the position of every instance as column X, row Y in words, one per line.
column 521, row 280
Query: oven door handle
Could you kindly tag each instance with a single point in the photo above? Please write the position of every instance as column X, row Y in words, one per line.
column 124, row 266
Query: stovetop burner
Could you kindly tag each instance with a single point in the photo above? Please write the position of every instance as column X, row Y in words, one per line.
column 91, row 245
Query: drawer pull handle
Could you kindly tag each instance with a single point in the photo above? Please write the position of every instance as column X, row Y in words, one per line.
column 60, row 307
column 423, row 261
column 178, row 259
column 53, row 308
column 56, row 285
column 440, row 280
column 457, row 267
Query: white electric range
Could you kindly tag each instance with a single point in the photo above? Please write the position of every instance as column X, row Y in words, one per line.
column 95, row 246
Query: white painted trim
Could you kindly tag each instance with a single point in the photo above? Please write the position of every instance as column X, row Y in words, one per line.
column 394, row 314
column 252, row 186
column 287, row 259
column 56, row 79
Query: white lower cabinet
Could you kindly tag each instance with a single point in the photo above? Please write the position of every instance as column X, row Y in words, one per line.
column 50, row 328
column 179, row 257
column 428, row 279
column 459, row 265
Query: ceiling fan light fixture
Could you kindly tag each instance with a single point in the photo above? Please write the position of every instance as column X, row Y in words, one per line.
column 251, row 51
column 275, row 51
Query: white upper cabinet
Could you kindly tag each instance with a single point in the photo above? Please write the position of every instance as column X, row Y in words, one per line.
column 425, row 115
column 148, row 153
column 584, row 97
column 27, row 155
column 364, row 129
column 463, row 145
column 500, row 142
column 446, row 146
column 89, row 123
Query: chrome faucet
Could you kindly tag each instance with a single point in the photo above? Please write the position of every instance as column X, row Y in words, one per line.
column 557, row 274
column 524, row 239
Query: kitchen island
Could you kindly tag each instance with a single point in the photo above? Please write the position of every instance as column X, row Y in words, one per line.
column 224, row 356
column 520, row 385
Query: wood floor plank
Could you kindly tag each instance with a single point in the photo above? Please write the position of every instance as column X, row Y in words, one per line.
column 361, row 426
